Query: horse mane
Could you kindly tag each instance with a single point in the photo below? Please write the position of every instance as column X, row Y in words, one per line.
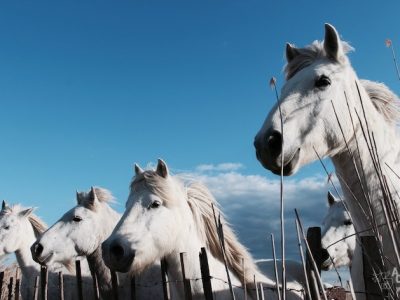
column 201, row 203
column 38, row 225
column 384, row 100
column 308, row 55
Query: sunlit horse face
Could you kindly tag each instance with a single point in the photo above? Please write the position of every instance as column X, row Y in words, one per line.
column 14, row 228
column 77, row 233
column 150, row 226
column 315, row 76
column 338, row 234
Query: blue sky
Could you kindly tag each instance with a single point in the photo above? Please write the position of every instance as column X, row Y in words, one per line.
column 87, row 88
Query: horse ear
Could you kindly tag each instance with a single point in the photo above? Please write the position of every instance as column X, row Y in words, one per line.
column 79, row 198
column 162, row 168
column 138, row 170
column 332, row 44
column 4, row 205
column 91, row 202
column 291, row 52
column 331, row 199
column 26, row 212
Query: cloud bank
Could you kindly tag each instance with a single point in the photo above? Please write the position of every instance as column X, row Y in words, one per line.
column 251, row 204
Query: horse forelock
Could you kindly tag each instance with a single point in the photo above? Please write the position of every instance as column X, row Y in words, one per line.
column 309, row 54
column 201, row 203
column 154, row 183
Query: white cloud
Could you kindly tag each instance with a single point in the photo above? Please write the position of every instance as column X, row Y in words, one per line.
column 252, row 204
column 223, row 167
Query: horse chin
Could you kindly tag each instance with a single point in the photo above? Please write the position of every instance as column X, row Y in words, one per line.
column 290, row 167
column 46, row 260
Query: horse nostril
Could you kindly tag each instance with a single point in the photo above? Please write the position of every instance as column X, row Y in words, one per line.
column 38, row 248
column 117, row 251
column 274, row 142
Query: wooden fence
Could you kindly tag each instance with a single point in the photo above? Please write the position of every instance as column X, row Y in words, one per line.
column 10, row 286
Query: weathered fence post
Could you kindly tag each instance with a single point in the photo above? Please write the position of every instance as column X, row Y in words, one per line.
column 11, row 288
column 43, row 282
column 96, row 292
column 314, row 242
column 17, row 288
column 1, row 283
column 205, row 275
column 133, row 288
column 79, row 279
column 36, row 289
column 371, row 264
column 186, row 282
column 61, row 285
column 256, row 285
column 164, row 279
column 114, row 282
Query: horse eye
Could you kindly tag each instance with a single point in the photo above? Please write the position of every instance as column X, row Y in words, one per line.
column 155, row 204
column 6, row 227
column 77, row 219
column 347, row 222
column 322, row 81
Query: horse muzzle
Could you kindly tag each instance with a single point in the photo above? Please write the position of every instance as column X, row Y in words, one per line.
column 117, row 256
column 37, row 254
column 269, row 151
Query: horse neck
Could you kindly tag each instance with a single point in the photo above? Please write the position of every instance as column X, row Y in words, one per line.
column 95, row 259
column 29, row 267
column 388, row 153
column 97, row 267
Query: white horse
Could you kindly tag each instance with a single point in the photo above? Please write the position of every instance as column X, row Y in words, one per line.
column 19, row 228
column 165, row 217
column 80, row 232
column 316, row 75
column 338, row 235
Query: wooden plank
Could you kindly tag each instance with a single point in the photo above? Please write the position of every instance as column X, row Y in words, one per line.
column 96, row 292
column 61, row 285
column 17, row 288
column 36, row 289
column 11, row 288
column 114, row 281
column 314, row 242
column 205, row 275
column 133, row 288
column 1, row 284
column 79, row 279
column 186, row 282
column 43, row 282
column 164, row 279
